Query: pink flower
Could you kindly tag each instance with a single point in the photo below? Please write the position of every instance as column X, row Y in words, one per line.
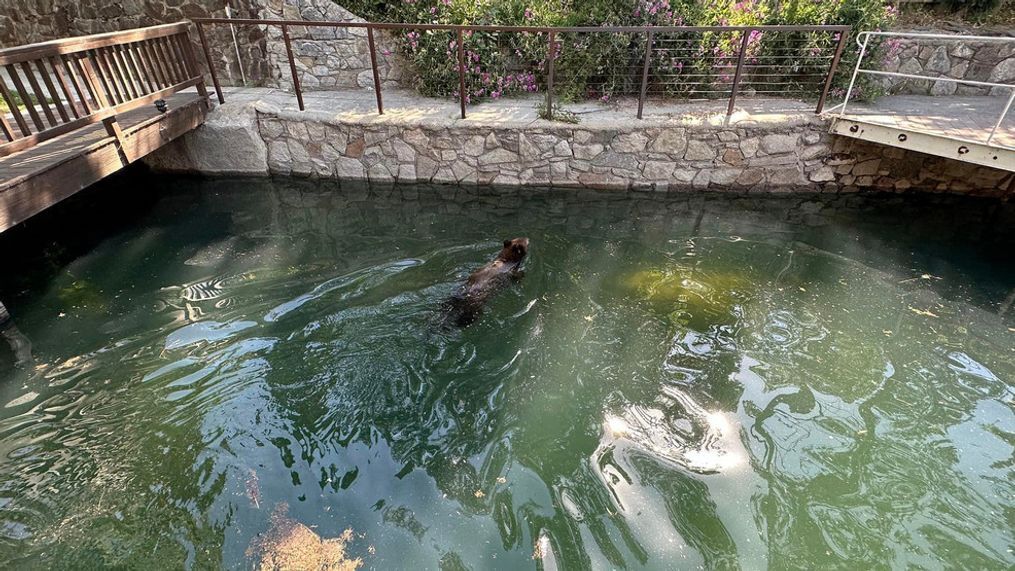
column 528, row 13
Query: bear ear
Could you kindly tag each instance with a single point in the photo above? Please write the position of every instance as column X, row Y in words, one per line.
column 507, row 243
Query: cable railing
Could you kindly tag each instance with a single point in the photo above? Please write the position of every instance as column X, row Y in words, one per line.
column 571, row 64
column 864, row 41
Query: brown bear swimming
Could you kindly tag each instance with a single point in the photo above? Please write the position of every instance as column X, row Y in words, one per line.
column 465, row 306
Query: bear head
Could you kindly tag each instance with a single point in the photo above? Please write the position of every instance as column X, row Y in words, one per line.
column 514, row 250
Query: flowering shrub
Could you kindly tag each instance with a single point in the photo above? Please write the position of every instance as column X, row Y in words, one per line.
column 601, row 65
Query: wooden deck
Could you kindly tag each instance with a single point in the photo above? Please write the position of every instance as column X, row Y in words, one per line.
column 948, row 126
column 39, row 177
column 82, row 108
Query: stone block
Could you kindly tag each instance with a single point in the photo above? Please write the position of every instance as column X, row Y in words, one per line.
column 349, row 169
column 587, row 150
column 779, row 143
column 672, row 142
column 658, row 170
column 699, row 151
column 633, row 142
column 498, row 156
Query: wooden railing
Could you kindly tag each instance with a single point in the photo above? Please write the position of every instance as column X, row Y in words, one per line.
column 55, row 87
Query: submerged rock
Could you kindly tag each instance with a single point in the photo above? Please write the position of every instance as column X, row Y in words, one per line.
column 291, row 546
column 689, row 297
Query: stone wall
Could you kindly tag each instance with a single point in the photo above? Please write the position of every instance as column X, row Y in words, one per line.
column 977, row 61
column 327, row 58
column 30, row 21
column 799, row 158
column 788, row 154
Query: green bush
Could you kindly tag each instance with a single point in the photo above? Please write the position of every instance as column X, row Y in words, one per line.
column 602, row 65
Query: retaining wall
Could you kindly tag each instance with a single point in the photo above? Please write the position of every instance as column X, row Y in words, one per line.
column 992, row 62
column 796, row 154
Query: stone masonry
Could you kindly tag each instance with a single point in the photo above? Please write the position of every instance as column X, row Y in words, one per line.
column 794, row 154
column 977, row 61
column 743, row 159
column 327, row 58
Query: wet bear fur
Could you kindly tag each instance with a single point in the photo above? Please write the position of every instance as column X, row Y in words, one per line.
column 466, row 305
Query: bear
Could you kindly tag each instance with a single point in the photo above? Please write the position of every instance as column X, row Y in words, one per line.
column 465, row 306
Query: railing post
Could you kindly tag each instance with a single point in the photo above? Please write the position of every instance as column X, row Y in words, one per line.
column 373, row 65
column 856, row 71
column 461, row 70
column 191, row 62
column 292, row 66
column 831, row 71
column 644, row 72
column 736, row 76
column 1000, row 119
column 211, row 66
column 551, row 55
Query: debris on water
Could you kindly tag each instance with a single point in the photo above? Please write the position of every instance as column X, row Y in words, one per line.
column 290, row 544
column 543, row 553
column 922, row 312
column 253, row 489
column 501, row 480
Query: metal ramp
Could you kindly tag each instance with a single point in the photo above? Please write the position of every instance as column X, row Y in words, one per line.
column 978, row 129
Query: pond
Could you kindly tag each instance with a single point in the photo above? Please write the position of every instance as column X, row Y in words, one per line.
column 237, row 373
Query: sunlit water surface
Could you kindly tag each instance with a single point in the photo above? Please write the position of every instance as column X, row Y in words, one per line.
column 681, row 381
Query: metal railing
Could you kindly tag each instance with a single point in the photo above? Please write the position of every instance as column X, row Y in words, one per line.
column 863, row 40
column 714, row 74
column 63, row 85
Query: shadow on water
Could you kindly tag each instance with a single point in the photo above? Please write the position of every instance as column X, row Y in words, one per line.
column 709, row 380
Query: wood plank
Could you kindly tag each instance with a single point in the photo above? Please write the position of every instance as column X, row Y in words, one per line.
column 181, row 58
column 88, row 75
column 40, row 97
column 15, row 112
column 167, row 58
column 53, row 94
column 61, row 78
column 153, row 63
column 129, row 81
column 82, row 43
column 106, row 75
column 6, row 128
column 113, row 130
column 160, row 60
column 31, row 140
column 119, row 84
column 53, row 183
column 25, row 98
column 188, row 56
column 142, row 73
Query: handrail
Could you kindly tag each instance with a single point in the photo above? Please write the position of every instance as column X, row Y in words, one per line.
column 67, row 84
column 920, row 35
column 460, row 29
column 80, row 43
column 863, row 40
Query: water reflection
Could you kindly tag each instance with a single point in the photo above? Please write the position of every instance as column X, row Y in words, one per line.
column 679, row 381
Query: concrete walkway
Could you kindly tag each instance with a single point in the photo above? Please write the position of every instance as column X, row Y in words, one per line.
column 402, row 106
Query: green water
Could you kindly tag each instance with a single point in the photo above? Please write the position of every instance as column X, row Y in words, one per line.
column 677, row 382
